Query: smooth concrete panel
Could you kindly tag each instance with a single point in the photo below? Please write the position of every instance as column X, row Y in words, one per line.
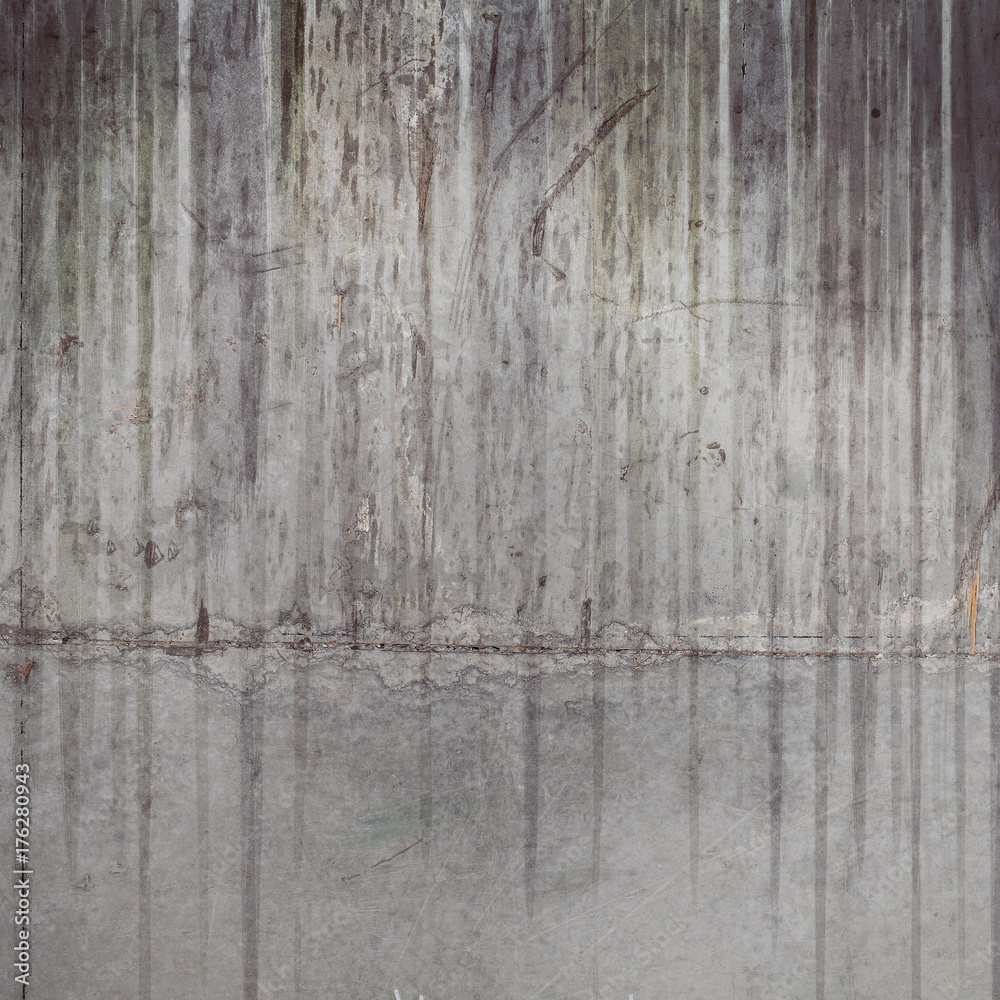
column 697, row 827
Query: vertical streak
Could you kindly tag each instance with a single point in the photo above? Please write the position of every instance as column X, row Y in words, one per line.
column 822, row 783
column 597, row 746
column 775, row 736
column 202, row 780
column 915, row 789
column 145, row 127
column 532, row 708
column 69, row 740
column 250, row 835
column 300, row 743
column 995, row 828
column 859, row 747
column 694, row 762
column 960, row 812
column 144, row 719
column 896, row 742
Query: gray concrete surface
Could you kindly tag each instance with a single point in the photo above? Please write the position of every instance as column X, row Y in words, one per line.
column 559, row 442
column 606, row 827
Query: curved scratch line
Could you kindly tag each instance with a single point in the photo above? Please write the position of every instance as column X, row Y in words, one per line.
column 606, row 128
column 471, row 249
column 558, row 86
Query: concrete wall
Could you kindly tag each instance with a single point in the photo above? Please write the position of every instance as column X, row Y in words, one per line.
column 429, row 368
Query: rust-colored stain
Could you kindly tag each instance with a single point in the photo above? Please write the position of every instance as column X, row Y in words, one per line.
column 971, row 613
column 27, row 669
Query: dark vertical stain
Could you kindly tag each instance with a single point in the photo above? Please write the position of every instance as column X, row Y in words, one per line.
column 69, row 739
column 738, row 698
column 995, row 828
column 146, row 76
column 860, row 670
column 202, row 792
column 422, row 152
column 896, row 754
column 915, row 71
column 250, row 835
column 495, row 19
column 694, row 772
column 776, row 749
column 916, row 729
column 597, row 749
column 300, row 746
column 426, row 761
column 532, row 716
column 144, row 795
column 960, row 815
column 822, row 798
column 859, row 579
column 292, row 61
column 202, row 628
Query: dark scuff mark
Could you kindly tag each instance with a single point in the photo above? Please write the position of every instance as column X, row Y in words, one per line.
column 151, row 554
column 202, row 628
column 349, row 158
column 250, row 838
column 585, row 614
column 606, row 128
column 776, row 740
column 495, row 19
column 532, row 711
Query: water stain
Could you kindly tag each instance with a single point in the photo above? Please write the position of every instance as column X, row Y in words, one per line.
column 532, row 749
column 251, row 820
column 694, row 776
column 776, row 778
column 597, row 752
column 994, row 828
column 144, row 803
column 300, row 749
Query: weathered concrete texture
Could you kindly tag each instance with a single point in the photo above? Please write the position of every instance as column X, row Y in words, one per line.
column 675, row 827
column 461, row 463
column 621, row 323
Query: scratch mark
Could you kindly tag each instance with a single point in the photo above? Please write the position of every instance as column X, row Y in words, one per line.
column 402, row 850
column 540, row 107
column 606, row 128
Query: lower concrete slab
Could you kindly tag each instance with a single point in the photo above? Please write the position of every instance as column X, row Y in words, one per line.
column 265, row 823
